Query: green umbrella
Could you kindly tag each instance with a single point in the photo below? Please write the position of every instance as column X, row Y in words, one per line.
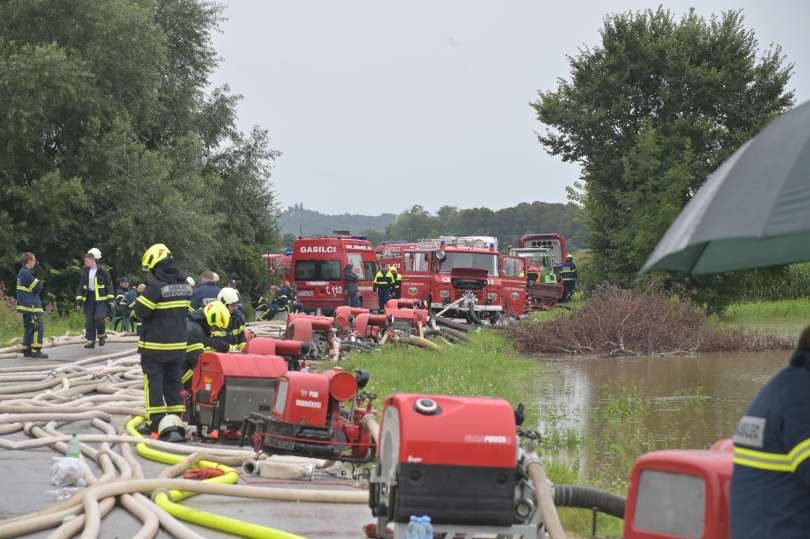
column 753, row 211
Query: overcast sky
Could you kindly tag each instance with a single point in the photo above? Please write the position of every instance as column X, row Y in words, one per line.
column 378, row 105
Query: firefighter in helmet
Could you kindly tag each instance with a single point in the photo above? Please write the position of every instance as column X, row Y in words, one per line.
column 235, row 332
column 97, row 295
column 396, row 283
column 206, row 333
column 382, row 285
column 163, row 308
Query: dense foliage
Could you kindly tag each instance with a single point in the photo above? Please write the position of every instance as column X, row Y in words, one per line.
column 649, row 113
column 110, row 137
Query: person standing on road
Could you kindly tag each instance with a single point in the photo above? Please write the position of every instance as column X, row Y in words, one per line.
column 29, row 304
column 382, row 285
column 350, row 282
column 96, row 293
column 163, row 307
column 396, row 283
column 770, row 485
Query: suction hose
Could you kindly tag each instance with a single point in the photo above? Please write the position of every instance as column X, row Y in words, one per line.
column 589, row 498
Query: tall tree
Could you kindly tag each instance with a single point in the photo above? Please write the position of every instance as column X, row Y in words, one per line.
column 649, row 113
column 110, row 137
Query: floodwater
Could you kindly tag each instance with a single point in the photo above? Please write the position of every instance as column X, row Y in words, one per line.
column 598, row 415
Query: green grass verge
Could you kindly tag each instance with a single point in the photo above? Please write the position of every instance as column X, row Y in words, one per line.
column 785, row 317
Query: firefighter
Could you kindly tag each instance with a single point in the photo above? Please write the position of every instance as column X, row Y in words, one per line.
column 396, row 283
column 207, row 291
column 124, row 300
column 569, row 276
column 96, row 294
column 29, row 304
column 282, row 301
column 206, row 333
column 770, row 485
column 382, row 285
column 350, row 282
column 163, row 308
column 235, row 334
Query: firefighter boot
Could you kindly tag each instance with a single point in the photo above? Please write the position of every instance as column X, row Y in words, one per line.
column 27, row 351
column 90, row 344
column 102, row 339
column 38, row 354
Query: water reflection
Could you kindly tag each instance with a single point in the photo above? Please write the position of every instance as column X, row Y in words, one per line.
column 598, row 415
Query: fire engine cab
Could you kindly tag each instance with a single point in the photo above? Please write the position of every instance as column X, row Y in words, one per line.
column 390, row 252
column 467, row 275
column 317, row 270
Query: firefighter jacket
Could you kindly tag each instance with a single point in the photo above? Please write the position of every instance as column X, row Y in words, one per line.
column 199, row 340
column 396, row 280
column 203, row 295
column 383, row 281
column 235, row 334
column 163, row 308
column 770, row 486
column 103, row 292
column 28, row 290
column 569, row 271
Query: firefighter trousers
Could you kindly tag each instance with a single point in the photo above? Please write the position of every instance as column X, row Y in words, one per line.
column 383, row 296
column 162, row 383
column 33, row 330
column 94, row 315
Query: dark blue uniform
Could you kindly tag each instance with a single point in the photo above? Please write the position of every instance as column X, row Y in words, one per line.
column 96, row 303
column 770, row 488
column 203, row 295
column 29, row 304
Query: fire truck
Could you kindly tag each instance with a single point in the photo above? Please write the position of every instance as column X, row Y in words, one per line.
column 555, row 242
column 317, row 270
column 278, row 264
column 390, row 252
column 465, row 277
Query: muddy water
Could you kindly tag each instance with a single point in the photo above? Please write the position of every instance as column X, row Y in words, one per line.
column 599, row 415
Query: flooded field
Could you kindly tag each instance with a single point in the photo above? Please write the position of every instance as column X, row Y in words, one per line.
column 598, row 415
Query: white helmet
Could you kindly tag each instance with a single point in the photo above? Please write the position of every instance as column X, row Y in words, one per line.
column 228, row 296
column 216, row 278
column 95, row 253
column 191, row 282
column 172, row 429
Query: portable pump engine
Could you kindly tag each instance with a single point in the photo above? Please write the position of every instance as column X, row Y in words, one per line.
column 306, row 418
column 456, row 459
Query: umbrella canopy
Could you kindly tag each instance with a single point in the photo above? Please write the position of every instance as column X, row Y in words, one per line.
column 753, row 211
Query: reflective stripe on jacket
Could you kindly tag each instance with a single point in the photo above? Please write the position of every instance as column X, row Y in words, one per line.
column 770, row 486
column 104, row 290
column 163, row 308
column 28, row 289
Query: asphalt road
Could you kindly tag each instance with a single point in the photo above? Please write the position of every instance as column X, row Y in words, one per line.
column 25, row 485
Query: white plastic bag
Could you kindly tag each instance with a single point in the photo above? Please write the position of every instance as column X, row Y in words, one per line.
column 66, row 472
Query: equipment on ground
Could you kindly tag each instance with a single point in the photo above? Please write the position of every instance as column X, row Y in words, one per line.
column 307, row 419
column 455, row 459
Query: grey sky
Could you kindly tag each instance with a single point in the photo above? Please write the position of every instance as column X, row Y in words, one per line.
column 379, row 105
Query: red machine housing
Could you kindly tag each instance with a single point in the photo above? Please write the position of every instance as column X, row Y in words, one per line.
column 664, row 499
column 307, row 419
column 227, row 387
column 317, row 270
column 456, row 455
column 345, row 314
column 292, row 351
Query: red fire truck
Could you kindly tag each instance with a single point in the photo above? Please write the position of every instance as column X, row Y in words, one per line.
column 467, row 275
column 278, row 264
column 390, row 252
column 317, row 270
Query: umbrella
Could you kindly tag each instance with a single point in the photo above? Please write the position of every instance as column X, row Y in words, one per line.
column 753, row 211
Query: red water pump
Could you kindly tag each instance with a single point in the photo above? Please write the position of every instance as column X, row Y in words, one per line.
column 307, row 419
column 291, row 350
column 455, row 459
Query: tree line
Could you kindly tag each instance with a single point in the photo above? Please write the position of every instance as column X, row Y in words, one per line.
column 648, row 113
column 110, row 137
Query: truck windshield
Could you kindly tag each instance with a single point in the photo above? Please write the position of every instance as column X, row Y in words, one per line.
column 317, row 270
column 485, row 261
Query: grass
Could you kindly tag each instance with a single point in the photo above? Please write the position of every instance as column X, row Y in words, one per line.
column 55, row 324
column 487, row 366
column 784, row 317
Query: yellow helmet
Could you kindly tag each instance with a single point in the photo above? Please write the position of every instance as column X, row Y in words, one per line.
column 217, row 314
column 155, row 254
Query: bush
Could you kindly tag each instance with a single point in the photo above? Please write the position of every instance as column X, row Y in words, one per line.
column 621, row 322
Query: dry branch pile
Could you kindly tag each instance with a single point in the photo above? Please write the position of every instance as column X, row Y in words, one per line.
column 619, row 322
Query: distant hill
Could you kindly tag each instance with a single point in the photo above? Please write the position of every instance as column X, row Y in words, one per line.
column 296, row 219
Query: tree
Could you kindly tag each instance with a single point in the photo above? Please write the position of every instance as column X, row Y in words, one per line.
column 110, row 137
column 649, row 114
